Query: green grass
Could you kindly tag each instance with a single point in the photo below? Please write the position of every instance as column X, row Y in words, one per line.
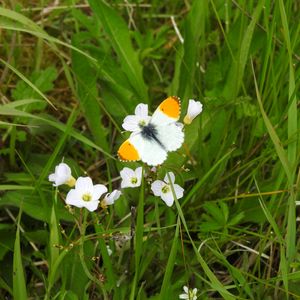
column 69, row 75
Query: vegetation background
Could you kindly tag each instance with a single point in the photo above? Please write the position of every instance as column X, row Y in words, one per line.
column 71, row 70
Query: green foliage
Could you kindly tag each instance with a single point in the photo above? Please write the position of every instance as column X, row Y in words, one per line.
column 43, row 80
column 19, row 285
column 217, row 218
column 69, row 75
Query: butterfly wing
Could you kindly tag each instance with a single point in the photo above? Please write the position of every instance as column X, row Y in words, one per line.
column 136, row 147
column 128, row 151
column 165, row 118
column 171, row 135
column 167, row 112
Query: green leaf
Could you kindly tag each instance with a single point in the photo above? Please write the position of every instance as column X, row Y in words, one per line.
column 42, row 79
column 170, row 264
column 27, row 81
column 87, row 76
column 19, row 283
column 194, row 26
column 118, row 32
column 31, row 205
column 232, row 87
column 7, row 110
column 54, row 235
column 138, row 238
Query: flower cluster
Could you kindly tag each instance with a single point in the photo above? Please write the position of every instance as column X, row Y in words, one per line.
column 85, row 193
column 166, row 189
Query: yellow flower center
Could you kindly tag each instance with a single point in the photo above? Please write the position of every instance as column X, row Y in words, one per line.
column 142, row 123
column 165, row 189
column 134, row 180
column 87, row 197
column 191, row 294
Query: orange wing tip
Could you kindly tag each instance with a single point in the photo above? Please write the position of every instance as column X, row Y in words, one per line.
column 171, row 107
column 127, row 152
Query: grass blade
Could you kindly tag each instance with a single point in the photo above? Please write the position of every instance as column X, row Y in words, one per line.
column 54, row 234
column 118, row 33
column 283, row 262
column 19, row 283
column 27, row 81
column 273, row 135
column 215, row 283
column 88, row 94
column 194, row 27
column 170, row 264
column 138, row 239
column 197, row 186
column 236, row 74
column 292, row 136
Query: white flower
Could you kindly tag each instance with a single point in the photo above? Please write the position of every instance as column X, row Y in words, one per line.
column 131, row 178
column 109, row 251
column 194, row 109
column 135, row 122
column 163, row 189
column 110, row 198
column 62, row 175
column 86, row 194
column 190, row 294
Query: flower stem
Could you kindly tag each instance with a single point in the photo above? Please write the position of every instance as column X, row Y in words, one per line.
column 82, row 230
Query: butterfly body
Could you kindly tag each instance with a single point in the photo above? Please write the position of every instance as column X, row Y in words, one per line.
column 154, row 139
column 150, row 132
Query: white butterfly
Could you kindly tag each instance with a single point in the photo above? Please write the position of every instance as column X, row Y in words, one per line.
column 153, row 137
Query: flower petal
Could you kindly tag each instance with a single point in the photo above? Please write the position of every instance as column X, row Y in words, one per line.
column 98, row 191
column 183, row 296
column 157, row 186
column 167, row 198
column 110, row 198
column 63, row 170
column 186, row 289
column 131, row 123
column 172, row 177
column 141, row 110
column 91, row 205
column 178, row 191
column 138, row 173
column 74, row 198
column 84, row 184
column 125, row 183
column 126, row 175
column 51, row 177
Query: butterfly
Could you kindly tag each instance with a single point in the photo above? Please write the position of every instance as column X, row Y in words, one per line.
column 155, row 136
